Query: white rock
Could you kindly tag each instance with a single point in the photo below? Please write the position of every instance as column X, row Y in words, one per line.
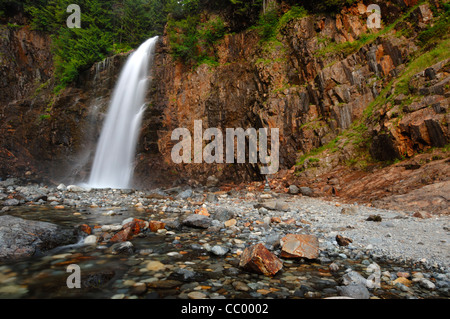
column 61, row 187
column 90, row 240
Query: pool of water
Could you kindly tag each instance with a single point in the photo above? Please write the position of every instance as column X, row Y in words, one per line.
column 106, row 275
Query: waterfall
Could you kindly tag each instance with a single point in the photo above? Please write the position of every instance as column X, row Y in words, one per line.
column 114, row 158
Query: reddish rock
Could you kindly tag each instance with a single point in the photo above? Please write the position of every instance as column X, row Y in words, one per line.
column 155, row 225
column 259, row 259
column 123, row 235
column 136, row 226
column 300, row 246
column 343, row 241
column 422, row 215
column 86, row 229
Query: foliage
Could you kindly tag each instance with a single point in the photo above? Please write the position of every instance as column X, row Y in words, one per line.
column 193, row 41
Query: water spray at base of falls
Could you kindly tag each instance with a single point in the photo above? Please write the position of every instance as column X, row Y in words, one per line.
column 113, row 164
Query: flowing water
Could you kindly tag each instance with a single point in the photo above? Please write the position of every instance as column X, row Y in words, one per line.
column 113, row 162
column 187, row 267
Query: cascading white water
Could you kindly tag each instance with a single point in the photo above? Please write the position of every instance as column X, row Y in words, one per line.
column 113, row 163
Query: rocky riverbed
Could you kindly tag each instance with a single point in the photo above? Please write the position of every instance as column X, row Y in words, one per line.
column 190, row 243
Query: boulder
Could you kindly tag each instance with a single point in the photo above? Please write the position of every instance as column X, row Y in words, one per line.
column 197, row 221
column 20, row 238
column 356, row 291
column 259, row 259
column 300, row 246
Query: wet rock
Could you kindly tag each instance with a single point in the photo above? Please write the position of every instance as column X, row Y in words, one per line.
column 125, row 248
column 11, row 202
column 259, row 259
column 240, row 286
column 354, row 291
column 23, row 238
column 123, row 235
column 197, row 221
column 136, row 226
column 196, row 295
column 155, row 266
column 300, row 246
column 154, row 226
column 97, row 280
column 90, row 240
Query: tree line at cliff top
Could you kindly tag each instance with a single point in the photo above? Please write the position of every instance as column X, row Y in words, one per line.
column 111, row 27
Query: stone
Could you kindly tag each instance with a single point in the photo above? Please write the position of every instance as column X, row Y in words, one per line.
column 422, row 215
column 299, row 246
column 425, row 283
column 61, row 187
column 139, row 289
column 123, row 235
column 333, row 267
column 240, row 286
column 24, row 238
column 231, row 222
column 353, row 278
column 219, row 250
column 155, row 266
column 76, row 189
column 354, row 291
column 124, row 248
column 343, row 241
column 185, row 194
column 90, row 240
column 197, row 221
column 136, row 226
column 403, row 281
column 294, row 190
column 86, row 229
column 223, row 215
column 212, row 181
column 306, row 191
column 154, row 226
column 196, row 295
column 259, row 259
column 11, row 202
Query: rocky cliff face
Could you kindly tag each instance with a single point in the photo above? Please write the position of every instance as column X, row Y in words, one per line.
column 311, row 87
column 326, row 82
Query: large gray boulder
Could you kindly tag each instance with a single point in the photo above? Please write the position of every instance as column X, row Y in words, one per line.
column 20, row 238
